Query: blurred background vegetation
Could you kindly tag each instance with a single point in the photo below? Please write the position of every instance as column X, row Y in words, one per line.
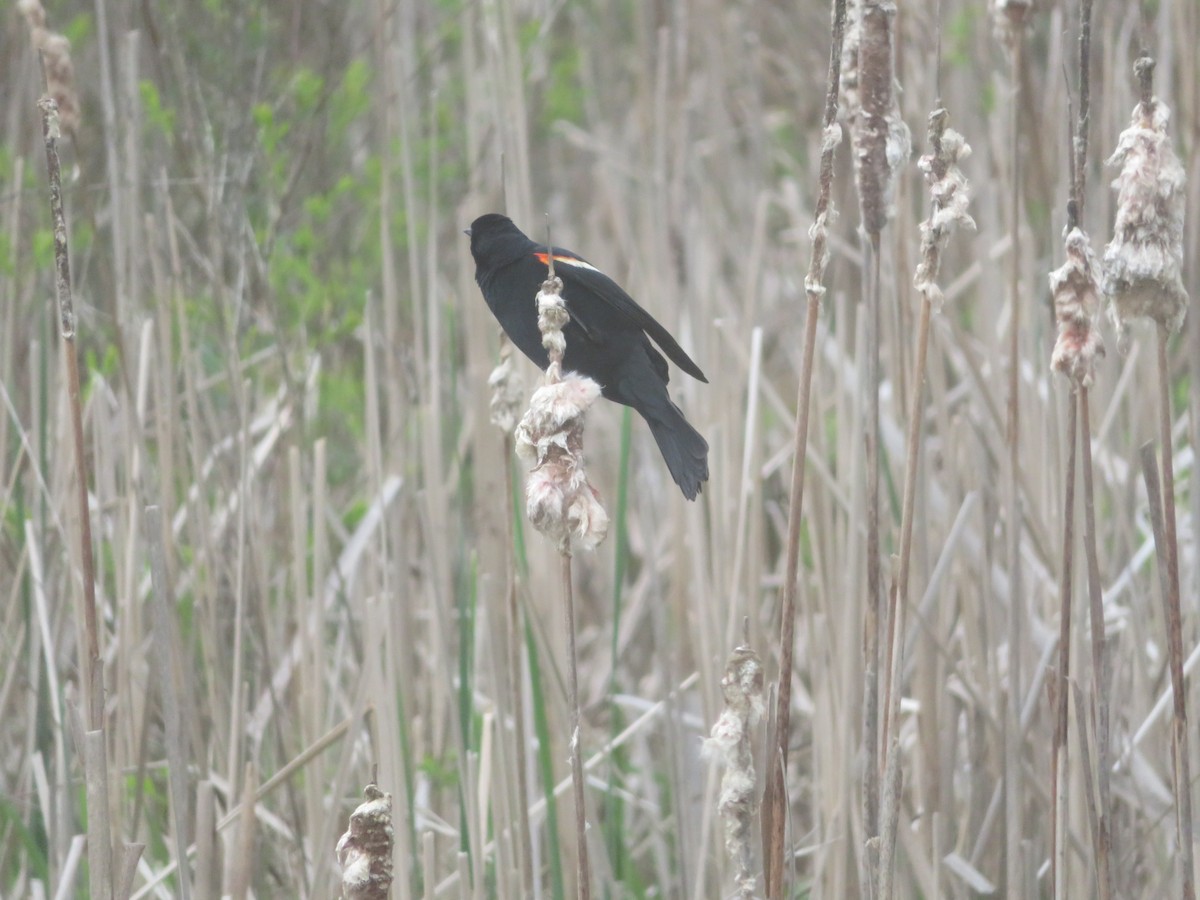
column 284, row 349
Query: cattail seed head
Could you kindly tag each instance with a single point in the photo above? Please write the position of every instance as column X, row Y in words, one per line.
column 1076, row 308
column 365, row 851
column 950, row 195
column 1144, row 259
column 507, row 390
column 56, row 58
column 731, row 742
column 881, row 139
column 559, row 500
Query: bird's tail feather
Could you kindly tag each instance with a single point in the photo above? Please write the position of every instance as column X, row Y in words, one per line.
column 683, row 448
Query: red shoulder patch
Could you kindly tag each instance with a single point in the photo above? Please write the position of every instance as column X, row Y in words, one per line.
column 560, row 258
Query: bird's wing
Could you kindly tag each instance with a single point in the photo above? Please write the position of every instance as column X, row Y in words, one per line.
column 573, row 269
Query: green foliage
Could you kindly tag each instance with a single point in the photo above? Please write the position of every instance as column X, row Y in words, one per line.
column 160, row 117
column 43, row 249
column 563, row 99
column 442, row 771
column 959, row 41
column 32, row 838
column 351, row 100
column 79, row 30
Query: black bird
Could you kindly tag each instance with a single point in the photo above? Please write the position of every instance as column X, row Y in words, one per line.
column 608, row 337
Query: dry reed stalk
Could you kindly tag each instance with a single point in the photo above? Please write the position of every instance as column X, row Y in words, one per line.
column 507, row 395
column 165, row 645
column 948, row 211
column 1154, row 495
column 774, row 804
column 1011, row 18
column 92, row 674
column 241, row 863
column 1058, row 751
column 99, row 837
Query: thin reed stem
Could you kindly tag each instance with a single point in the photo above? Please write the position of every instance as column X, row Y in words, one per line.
column 1059, row 751
column 1013, row 817
column 1101, row 675
column 584, row 889
column 871, row 641
column 1183, row 781
column 514, row 676
column 93, row 687
column 896, row 620
column 774, row 805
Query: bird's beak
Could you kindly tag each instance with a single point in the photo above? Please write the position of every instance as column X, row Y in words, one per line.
column 467, row 232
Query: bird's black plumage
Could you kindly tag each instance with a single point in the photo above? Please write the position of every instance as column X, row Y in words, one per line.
column 608, row 338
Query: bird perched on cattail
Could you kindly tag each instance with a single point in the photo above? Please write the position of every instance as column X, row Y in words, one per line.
column 608, row 338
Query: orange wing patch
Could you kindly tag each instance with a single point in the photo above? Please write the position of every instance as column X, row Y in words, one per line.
column 565, row 260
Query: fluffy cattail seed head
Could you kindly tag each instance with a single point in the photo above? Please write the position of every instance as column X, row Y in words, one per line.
column 507, row 390
column 559, row 500
column 949, row 193
column 56, row 58
column 365, row 851
column 731, row 742
column 1144, row 259
column 1076, row 307
column 881, row 139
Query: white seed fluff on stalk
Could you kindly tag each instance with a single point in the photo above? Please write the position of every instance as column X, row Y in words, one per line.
column 950, row 195
column 365, row 851
column 1142, row 263
column 559, row 500
column 507, row 390
column 1076, row 307
column 731, row 743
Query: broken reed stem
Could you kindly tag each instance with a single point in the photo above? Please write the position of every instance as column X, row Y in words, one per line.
column 1183, row 781
column 585, row 888
column 93, row 691
column 774, row 805
column 1059, row 750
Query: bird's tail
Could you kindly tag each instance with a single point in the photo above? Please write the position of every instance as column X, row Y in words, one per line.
column 683, row 448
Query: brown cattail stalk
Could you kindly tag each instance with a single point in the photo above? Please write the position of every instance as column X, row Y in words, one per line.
column 1142, row 278
column 1076, row 292
column 561, row 503
column 881, row 147
column 774, row 808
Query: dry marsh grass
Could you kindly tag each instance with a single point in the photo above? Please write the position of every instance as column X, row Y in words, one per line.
column 306, row 560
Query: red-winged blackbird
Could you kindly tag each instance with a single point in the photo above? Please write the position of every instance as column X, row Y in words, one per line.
column 608, row 337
